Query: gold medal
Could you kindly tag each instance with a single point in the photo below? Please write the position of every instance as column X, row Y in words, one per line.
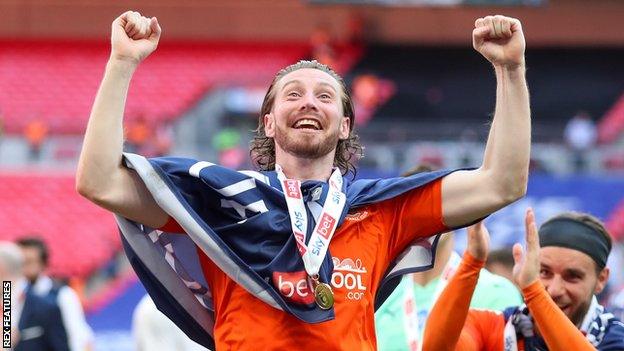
column 323, row 296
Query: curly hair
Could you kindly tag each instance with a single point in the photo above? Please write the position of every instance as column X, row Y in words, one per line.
column 262, row 148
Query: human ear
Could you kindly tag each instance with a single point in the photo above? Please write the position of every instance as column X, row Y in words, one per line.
column 269, row 125
column 603, row 278
column 345, row 128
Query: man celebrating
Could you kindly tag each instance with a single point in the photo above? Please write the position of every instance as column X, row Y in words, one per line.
column 298, row 235
column 559, row 283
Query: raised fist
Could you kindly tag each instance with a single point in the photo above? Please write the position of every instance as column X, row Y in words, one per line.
column 500, row 40
column 134, row 37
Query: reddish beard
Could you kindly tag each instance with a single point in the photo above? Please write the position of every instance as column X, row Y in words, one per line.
column 307, row 146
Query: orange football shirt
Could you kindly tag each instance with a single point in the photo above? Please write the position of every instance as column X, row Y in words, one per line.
column 362, row 248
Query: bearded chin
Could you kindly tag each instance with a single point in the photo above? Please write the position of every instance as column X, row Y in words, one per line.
column 307, row 147
column 578, row 315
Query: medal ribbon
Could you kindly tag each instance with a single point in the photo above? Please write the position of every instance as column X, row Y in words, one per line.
column 411, row 320
column 314, row 253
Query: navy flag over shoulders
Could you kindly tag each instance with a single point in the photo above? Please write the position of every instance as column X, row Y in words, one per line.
column 239, row 219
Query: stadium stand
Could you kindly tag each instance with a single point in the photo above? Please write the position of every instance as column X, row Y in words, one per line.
column 615, row 224
column 82, row 237
column 442, row 91
column 56, row 81
column 612, row 124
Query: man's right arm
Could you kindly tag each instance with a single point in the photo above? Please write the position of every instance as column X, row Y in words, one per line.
column 101, row 176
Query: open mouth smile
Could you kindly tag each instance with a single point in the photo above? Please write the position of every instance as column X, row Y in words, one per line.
column 307, row 123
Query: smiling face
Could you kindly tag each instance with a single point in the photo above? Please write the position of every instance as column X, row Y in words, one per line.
column 307, row 119
column 571, row 279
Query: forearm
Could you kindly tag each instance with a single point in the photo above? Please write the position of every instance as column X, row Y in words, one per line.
column 454, row 301
column 100, row 159
column 503, row 176
column 554, row 326
column 507, row 152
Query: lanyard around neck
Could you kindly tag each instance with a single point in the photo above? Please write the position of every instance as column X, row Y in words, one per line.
column 314, row 252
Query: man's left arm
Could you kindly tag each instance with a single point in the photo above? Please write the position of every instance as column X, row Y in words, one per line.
column 502, row 178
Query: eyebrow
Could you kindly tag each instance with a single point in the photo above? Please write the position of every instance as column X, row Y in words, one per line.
column 575, row 272
column 567, row 271
column 296, row 81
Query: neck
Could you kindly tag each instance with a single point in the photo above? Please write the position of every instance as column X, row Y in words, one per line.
column 305, row 168
column 443, row 254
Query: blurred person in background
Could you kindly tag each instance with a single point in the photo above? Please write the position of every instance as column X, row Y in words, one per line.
column 138, row 134
column 580, row 135
column 36, row 258
column 562, row 270
column 400, row 321
column 322, row 45
column 36, row 322
column 152, row 330
column 36, row 132
column 216, row 259
column 501, row 262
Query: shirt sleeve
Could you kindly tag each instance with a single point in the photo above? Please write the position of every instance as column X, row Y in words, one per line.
column 445, row 325
column 78, row 331
column 417, row 213
column 557, row 330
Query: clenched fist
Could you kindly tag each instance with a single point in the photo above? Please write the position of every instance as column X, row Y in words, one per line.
column 134, row 37
column 500, row 40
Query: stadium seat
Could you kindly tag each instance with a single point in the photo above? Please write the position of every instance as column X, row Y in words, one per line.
column 82, row 237
column 57, row 81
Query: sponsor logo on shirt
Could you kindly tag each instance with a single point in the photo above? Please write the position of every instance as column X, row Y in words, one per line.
column 357, row 216
column 348, row 278
column 294, row 286
column 349, row 274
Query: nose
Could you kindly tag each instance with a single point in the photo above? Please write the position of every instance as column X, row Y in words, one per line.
column 555, row 287
column 308, row 103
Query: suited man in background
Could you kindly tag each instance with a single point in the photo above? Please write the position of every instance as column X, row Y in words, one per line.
column 36, row 322
column 36, row 257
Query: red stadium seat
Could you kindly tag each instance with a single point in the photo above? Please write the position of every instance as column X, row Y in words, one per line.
column 81, row 236
column 57, row 81
column 611, row 125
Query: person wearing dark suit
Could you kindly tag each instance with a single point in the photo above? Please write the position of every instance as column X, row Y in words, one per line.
column 37, row 323
column 40, row 326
